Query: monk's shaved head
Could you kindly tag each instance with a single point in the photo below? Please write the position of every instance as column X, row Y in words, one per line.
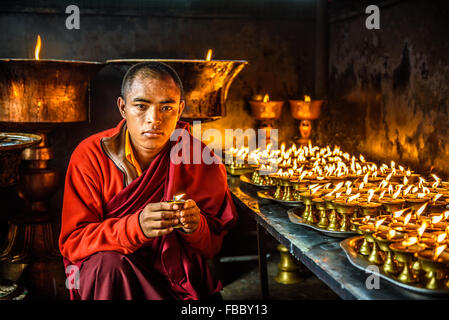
column 149, row 70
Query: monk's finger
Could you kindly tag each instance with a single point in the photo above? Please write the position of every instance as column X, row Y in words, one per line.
column 163, row 224
column 190, row 219
column 161, row 215
column 162, row 206
column 189, row 212
column 189, row 204
column 160, row 232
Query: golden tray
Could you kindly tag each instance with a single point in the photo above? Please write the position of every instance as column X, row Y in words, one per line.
column 295, row 218
column 269, row 196
column 350, row 246
column 244, row 178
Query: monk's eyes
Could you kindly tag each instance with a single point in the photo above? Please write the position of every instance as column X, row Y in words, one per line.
column 167, row 108
column 140, row 106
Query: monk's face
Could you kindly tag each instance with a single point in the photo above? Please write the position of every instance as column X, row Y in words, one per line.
column 151, row 107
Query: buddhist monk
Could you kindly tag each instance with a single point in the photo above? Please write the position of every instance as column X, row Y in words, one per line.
column 118, row 229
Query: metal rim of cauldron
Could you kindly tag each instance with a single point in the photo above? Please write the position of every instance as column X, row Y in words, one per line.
column 171, row 60
column 36, row 139
column 51, row 61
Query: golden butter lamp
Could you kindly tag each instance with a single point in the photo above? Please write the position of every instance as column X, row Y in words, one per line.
column 305, row 111
column 435, row 266
column 267, row 112
column 383, row 240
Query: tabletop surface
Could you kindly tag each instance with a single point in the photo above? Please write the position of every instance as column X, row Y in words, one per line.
column 320, row 253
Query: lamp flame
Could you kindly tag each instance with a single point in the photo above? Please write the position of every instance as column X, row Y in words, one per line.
column 178, row 197
column 410, row 241
column 266, row 98
column 399, row 213
column 436, row 219
column 422, row 228
column 307, row 99
column 407, row 218
column 420, row 210
column 441, row 237
column 378, row 223
column 38, row 47
column 209, row 55
column 439, row 250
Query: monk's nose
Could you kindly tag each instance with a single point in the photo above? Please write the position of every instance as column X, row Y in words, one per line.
column 153, row 116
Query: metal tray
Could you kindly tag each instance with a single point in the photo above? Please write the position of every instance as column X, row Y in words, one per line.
column 295, row 218
column 244, row 178
column 358, row 261
column 269, row 195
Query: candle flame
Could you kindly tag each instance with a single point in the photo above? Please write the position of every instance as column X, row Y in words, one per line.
column 353, row 197
column 266, row 98
column 436, row 219
column 378, row 223
column 38, row 47
column 178, row 197
column 209, row 55
column 441, row 237
column 306, row 98
column 391, row 234
column 396, row 194
column 399, row 213
column 421, row 209
column 370, row 195
column 407, row 218
column 422, row 228
column 410, row 241
column 439, row 250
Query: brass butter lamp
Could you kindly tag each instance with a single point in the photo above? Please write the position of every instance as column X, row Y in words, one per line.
column 38, row 95
column 305, row 111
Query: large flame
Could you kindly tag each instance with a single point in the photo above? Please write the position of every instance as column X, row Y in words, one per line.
column 209, row 55
column 38, row 47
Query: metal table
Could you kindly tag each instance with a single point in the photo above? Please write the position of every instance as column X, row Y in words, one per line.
column 319, row 253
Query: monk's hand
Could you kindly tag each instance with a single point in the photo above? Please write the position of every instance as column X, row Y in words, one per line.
column 190, row 216
column 157, row 219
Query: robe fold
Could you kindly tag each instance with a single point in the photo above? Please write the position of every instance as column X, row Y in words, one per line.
column 102, row 201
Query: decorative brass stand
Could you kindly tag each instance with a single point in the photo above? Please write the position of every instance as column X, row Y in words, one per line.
column 287, row 268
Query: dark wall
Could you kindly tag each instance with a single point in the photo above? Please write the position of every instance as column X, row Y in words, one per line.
column 388, row 88
column 275, row 37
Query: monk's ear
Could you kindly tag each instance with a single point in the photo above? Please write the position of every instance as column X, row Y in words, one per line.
column 181, row 108
column 121, row 106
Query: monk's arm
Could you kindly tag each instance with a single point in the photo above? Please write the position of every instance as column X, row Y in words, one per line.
column 84, row 231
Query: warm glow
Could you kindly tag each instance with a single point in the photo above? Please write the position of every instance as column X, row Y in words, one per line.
column 38, row 48
column 396, row 194
column 370, row 195
column 441, row 237
column 399, row 213
column 436, row 219
column 391, row 234
column 420, row 210
column 178, row 197
column 407, row 218
column 410, row 241
column 422, row 228
column 378, row 223
column 266, row 98
column 439, row 250
column 353, row 197
column 307, row 98
column 209, row 55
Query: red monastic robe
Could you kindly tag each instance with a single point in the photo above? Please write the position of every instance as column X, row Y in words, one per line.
column 102, row 200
